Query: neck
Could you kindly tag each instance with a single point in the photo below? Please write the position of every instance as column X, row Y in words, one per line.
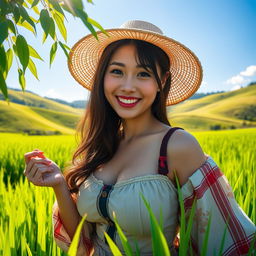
column 134, row 128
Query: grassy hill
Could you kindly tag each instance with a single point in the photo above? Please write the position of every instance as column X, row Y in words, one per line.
column 37, row 115
column 226, row 110
column 34, row 100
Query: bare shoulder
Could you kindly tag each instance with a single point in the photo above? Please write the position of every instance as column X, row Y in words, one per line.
column 184, row 155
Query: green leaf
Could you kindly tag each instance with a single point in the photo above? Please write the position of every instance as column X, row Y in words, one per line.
column 45, row 21
column 53, row 52
column 97, row 25
column 22, row 51
column 9, row 56
column 33, row 53
column 78, row 4
column 15, row 49
column 73, row 247
column 34, row 3
column 3, row 60
column 84, row 17
column 26, row 17
column 25, row 4
column 114, row 249
column 56, row 6
column 59, row 19
column 16, row 13
column 32, row 68
column 22, row 80
column 67, row 7
column 68, row 48
column 36, row 10
column 52, row 29
column 124, row 240
column 3, row 86
column 4, row 7
column 44, row 37
column 3, row 31
column 90, row 1
column 30, row 1
column 64, row 49
column 11, row 26
column 26, row 25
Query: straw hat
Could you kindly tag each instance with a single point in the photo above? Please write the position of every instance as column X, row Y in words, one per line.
column 186, row 70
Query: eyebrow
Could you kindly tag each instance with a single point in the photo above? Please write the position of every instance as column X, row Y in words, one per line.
column 123, row 65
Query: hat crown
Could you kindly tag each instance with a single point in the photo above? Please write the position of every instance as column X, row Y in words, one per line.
column 142, row 25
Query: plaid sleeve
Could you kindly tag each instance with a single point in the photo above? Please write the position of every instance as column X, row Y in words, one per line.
column 62, row 238
column 215, row 197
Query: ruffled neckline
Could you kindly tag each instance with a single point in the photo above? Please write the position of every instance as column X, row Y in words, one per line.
column 143, row 178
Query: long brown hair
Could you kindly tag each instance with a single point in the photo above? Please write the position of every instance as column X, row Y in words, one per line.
column 100, row 129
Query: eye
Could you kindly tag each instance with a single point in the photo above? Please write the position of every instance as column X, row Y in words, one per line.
column 144, row 74
column 116, row 72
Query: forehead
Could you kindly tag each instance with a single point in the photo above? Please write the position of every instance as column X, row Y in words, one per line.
column 125, row 51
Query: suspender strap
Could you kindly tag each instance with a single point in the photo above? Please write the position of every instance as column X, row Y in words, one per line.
column 162, row 162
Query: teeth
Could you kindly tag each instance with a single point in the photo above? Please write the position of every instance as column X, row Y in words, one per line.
column 127, row 101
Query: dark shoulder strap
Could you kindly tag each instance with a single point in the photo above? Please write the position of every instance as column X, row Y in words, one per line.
column 162, row 161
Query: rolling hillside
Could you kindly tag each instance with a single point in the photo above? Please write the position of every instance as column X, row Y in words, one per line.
column 38, row 116
column 228, row 110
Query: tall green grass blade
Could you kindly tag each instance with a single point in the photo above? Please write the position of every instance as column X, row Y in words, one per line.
column 185, row 228
column 114, row 249
column 182, row 219
column 190, row 223
column 137, row 252
column 159, row 243
column 126, row 246
column 28, row 250
column 73, row 247
column 252, row 250
column 223, row 240
column 205, row 242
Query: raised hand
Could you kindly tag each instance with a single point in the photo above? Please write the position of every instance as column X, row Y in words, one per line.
column 42, row 171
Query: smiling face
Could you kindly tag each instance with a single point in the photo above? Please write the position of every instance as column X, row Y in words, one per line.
column 129, row 88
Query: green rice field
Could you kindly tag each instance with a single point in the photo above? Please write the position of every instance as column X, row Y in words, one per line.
column 25, row 212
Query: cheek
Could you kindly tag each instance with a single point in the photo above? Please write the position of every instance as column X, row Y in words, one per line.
column 150, row 90
column 109, row 85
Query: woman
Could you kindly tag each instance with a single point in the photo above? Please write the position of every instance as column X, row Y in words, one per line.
column 128, row 147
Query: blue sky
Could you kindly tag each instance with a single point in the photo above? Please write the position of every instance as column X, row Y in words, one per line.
column 222, row 33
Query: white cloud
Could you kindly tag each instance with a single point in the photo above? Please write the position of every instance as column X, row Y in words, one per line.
column 236, row 87
column 236, row 80
column 250, row 71
column 51, row 93
column 241, row 78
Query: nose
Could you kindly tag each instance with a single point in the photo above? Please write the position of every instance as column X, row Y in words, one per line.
column 128, row 85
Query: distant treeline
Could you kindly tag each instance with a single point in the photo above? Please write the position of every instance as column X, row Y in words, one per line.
column 83, row 103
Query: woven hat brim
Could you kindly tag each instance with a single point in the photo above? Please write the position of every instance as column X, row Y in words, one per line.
column 186, row 70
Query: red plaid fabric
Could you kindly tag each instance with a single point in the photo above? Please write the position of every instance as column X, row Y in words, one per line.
column 62, row 238
column 214, row 197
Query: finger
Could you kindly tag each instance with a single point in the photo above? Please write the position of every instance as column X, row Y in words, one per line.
column 34, row 161
column 31, row 173
column 29, row 155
